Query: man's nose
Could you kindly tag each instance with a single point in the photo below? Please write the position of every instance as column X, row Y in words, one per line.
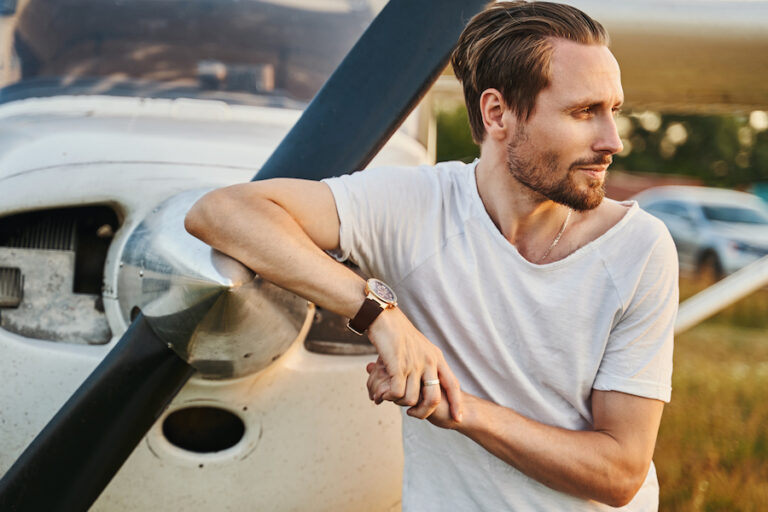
column 607, row 138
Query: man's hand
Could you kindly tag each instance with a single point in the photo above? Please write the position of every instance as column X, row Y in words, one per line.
column 441, row 417
column 378, row 383
column 407, row 360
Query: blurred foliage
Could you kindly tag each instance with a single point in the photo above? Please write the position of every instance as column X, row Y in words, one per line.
column 712, row 449
column 454, row 138
column 720, row 150
column 725, row 151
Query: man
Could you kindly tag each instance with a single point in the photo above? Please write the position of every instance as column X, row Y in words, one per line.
column 553, row 307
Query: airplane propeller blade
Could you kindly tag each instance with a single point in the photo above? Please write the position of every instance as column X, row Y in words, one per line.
column 372, row 91
column 76, row 455
column 71, row 461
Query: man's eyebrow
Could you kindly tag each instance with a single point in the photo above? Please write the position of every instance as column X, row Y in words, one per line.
column 591, row 103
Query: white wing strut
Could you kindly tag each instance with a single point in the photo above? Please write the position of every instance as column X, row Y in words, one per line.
column 722, row 294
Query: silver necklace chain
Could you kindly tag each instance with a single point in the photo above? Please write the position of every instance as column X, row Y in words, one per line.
column 557, row 237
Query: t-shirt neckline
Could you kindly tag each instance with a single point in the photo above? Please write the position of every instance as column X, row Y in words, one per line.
column 579, row 253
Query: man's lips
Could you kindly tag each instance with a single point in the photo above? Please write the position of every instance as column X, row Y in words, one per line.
column 593, row 167
column 596, row 171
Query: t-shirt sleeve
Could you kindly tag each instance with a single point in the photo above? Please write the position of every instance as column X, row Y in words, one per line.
column 382, row 212
column 638, row 356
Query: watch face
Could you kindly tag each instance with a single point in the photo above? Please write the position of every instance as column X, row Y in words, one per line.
column 381, row 290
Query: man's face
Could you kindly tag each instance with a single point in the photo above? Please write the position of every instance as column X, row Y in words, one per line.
column 562, row 152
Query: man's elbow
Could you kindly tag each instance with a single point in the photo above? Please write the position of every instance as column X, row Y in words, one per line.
column 624, row 488
column 200, row 218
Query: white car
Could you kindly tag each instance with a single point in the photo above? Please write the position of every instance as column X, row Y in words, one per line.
column 716, row 231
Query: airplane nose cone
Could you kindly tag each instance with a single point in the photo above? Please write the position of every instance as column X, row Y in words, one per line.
column 218, row 315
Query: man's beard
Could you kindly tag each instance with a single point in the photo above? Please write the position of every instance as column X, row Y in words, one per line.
column 540, row 174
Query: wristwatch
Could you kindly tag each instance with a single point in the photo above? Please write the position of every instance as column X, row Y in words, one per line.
column 378, row 297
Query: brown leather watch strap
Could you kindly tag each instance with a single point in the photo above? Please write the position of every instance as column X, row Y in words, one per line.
column 365, row 316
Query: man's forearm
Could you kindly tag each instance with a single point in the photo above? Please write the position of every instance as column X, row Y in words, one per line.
column 264, row 237
column 280, row 230
column 589, row 464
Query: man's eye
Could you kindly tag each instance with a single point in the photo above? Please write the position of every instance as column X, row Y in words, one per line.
column 585, row 112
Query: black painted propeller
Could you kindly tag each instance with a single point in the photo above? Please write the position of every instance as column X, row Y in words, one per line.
column 73, row 459
column 76, row 455
column 372, row 91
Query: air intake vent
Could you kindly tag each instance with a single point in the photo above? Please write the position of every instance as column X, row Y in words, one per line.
column 55, row 233
column 11, row 287
column 51, row 273
column 203, row 429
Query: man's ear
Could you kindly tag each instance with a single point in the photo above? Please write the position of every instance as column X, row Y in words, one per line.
column 492, row 108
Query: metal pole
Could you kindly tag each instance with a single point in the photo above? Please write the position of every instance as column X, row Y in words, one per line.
column 722, row 294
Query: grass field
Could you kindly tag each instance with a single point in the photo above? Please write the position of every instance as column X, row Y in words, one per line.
column 712, row 451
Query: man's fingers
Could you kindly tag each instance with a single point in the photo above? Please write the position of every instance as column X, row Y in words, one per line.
column 450, row 385
column 377, row 375
column 370, row 384
column 430, row 399
column 396, row 390
column 378, row 386
column 412, row 390
column 381, row 389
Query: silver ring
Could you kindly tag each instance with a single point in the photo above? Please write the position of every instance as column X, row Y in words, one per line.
column 432, row 382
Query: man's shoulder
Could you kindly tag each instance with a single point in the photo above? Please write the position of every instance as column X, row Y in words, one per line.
column 618, row 222
column 442, row 185
column 648, row 226
column 406, row 177
column 441, row 172
column 391, row 217
column 629, row 220
column 640, row 236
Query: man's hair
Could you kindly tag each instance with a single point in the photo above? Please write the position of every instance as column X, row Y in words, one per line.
column 508, row 47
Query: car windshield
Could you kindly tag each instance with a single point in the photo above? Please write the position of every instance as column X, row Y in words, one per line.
column 276, row 52
column 739, row 214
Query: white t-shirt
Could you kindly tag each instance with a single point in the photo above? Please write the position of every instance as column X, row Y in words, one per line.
column 534, row 338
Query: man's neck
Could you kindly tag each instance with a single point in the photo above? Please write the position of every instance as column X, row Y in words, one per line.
column 524, row 217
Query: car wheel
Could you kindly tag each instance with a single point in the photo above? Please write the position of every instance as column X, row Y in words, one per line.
column 709, row 269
